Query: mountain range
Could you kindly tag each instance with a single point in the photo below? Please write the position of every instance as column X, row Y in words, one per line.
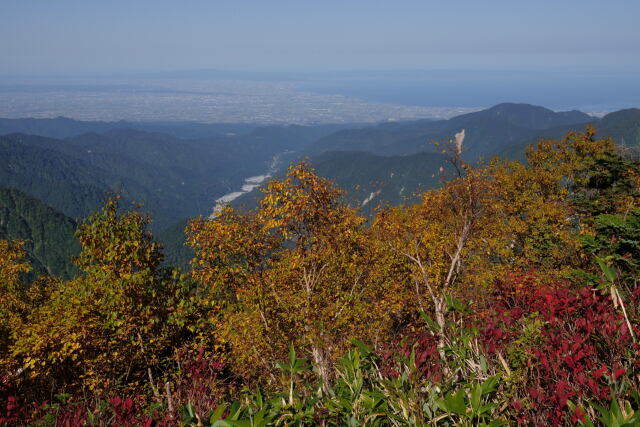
column 174, row 178
column 393, row 161
column 58, row 171
column 487, row 131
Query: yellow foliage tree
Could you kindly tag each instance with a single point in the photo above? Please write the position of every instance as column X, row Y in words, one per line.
column 101, row 329
column 296, row 271
column 461, row 237
column 450, row 234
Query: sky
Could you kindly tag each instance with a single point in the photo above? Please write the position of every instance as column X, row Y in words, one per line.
column 115, row 36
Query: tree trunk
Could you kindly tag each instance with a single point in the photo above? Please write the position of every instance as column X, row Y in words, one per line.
column 439, row 311
column 322, row 363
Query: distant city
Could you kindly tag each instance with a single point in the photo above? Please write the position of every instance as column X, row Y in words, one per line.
column 207, row 101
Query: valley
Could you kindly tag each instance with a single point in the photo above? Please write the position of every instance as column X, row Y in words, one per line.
column 178, row 171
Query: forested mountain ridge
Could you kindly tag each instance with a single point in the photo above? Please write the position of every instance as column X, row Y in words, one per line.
column 64, row 182
column 504, row 130
column 486, row 131
column 622, row 126
column 399, row 159
column 75, row 181
column 370, row 179
column 63, row 127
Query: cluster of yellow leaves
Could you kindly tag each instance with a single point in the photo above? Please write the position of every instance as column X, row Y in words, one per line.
column 117, row 245
column 13, row 298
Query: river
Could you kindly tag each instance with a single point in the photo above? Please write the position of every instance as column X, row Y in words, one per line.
column 249, row 184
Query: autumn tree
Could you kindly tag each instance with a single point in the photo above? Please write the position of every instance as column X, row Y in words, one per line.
column 446, row 235
column 490, row 218
column 598, row 175
column 103, row 328
column 294, row 272
column 536, row 218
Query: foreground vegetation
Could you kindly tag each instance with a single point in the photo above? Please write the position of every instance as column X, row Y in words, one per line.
column 508, row 295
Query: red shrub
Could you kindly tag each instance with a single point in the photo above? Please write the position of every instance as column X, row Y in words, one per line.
column 127, row 412
column 584, row 342
column 11, row 409
column 72, row 415
column 199, row 382
column 10, row 412
column 427, row 358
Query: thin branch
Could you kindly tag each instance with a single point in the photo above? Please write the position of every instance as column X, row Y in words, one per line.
column 355, row 284
column 456, row 258
column 624, row 311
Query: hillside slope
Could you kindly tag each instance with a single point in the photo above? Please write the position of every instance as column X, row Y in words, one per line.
column 173, row 178
column 51, row 242
column 623, row 126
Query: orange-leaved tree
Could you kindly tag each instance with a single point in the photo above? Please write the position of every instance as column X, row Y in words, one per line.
column 488, row 219
column 297, row 271
column 593, row 170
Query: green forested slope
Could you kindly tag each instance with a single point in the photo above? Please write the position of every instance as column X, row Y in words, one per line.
column 66, row 183
column 173, row 178
column 370, row 180
column 176, row 252
column 76, row 184
column 49, row 234
column 623, row 126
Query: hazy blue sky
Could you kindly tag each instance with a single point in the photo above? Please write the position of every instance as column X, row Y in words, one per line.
column 64, row 36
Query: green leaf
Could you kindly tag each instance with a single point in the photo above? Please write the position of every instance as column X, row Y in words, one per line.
column 292, row 354
column 476, row 395
column 217, row 414
column 455, row 403
column 63, row 397
column 429, row 321
column 608, row 272
column 489, row 385
column 454, row 304
column 486, row 408
column 483, row 363
column 364, row 349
